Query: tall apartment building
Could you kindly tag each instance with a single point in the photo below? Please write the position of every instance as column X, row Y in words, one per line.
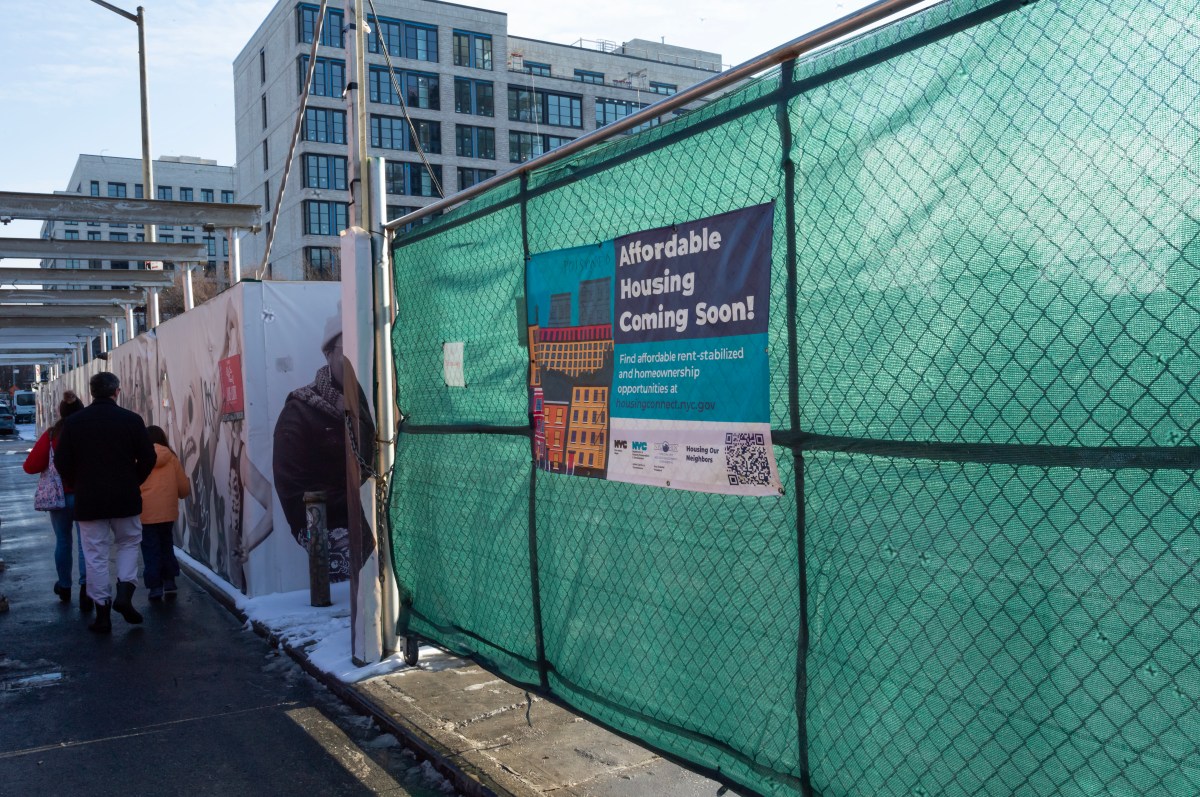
column 182, row 178
column 480, row 100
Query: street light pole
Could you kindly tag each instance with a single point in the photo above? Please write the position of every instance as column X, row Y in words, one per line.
column 139, row 19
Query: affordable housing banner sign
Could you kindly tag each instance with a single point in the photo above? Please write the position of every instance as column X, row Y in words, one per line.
column 648, row 356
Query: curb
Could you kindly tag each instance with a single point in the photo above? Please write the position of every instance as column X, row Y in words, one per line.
column 471, row 782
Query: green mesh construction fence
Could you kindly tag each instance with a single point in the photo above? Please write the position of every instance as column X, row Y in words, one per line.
column 984, row 345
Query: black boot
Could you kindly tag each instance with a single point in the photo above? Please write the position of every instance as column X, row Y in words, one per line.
column 85, row 600
column 123, row 605
column 103, row 622
column 63, row 593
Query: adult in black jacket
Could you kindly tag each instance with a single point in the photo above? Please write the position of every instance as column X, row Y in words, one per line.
column 105, row 454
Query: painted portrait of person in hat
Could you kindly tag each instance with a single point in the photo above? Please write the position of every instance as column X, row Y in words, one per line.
column 310, row 450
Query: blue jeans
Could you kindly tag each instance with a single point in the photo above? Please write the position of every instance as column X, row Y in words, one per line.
column 158, row 554
column 63, row 520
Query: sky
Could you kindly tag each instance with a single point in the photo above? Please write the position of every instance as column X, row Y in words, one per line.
column 71, row 68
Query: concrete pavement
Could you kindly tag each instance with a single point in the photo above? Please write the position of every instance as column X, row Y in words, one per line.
column 484, row 735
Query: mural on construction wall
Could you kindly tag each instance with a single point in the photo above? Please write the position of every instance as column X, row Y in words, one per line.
column 216, row 380
column 307, row 417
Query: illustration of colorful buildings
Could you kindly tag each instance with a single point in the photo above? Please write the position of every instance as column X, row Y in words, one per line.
column 570, row 373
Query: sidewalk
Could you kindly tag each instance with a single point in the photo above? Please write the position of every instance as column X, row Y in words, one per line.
column 486, row 736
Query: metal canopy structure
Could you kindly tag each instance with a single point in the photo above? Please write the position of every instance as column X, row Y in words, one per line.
column 114, row 296
column 75, row 207
column 19, row 329
column 138, row 278
column 55, row 249
column 55, row 318
column 68, row 311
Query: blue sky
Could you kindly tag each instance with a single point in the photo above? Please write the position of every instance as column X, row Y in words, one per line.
column 71, row 68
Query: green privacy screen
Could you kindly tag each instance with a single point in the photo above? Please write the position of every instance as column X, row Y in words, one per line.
column 983, row 350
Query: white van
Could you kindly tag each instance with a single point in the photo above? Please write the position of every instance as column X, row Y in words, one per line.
column 24, row 406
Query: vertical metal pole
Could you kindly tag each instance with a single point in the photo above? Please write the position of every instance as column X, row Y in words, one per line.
column 130, row 329
column 235, row 257
column 103, row 342
column 152, row 310
column 318, row 549
column 116, row 333
column 356, row 139
column 147, row 164
column 189, row 292
column 385, row 390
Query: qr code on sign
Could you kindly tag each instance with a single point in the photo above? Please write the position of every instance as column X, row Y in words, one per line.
column 746, row 460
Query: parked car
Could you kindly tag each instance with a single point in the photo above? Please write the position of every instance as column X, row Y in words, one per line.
column 8, row 425
column 24, row 406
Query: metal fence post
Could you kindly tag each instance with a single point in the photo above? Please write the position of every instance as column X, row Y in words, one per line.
column 318, row 549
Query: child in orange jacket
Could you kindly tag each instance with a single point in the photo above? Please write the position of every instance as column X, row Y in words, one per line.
column 161, row 492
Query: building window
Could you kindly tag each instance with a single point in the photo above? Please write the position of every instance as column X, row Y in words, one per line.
column 325, row 125
column 474, row 96
column 329, row 76
column 116, row 189
column 420, row 88
column 325, row 171
column 609, row 111
column 474, row 142
column 405, row 39
column 331, row 31
column 185, row 195
column 544, row 107
column 267, row 196
column 118, row 236
column 262, row 66
column 468, row 177
column 264, row 111
column 227, row 197
column 210, row 245
column 586, row 76
column 324, row 218
column 95, row 188
column 526, row 146
column 266, row 157
column 164, row 192
column 70, row 235
column 411, row 179
column 320, row 259
column 663, row 88
column 536, row 68
column 206, row 195
column 472, row 49
column 137, row 191
column 393, row 132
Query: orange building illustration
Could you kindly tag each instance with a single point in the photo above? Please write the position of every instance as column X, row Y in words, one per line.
column 570, row 373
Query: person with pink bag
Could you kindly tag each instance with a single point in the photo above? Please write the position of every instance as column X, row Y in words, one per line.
column 59, row 500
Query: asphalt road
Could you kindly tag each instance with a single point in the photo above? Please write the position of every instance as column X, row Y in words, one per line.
column 189, row 702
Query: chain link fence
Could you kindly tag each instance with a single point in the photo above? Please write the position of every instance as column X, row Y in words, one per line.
column 984, row 350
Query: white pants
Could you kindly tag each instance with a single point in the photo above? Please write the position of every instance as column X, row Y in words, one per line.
column 98, row 536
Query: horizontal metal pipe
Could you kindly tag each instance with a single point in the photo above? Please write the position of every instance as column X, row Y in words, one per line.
column 793, row 49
